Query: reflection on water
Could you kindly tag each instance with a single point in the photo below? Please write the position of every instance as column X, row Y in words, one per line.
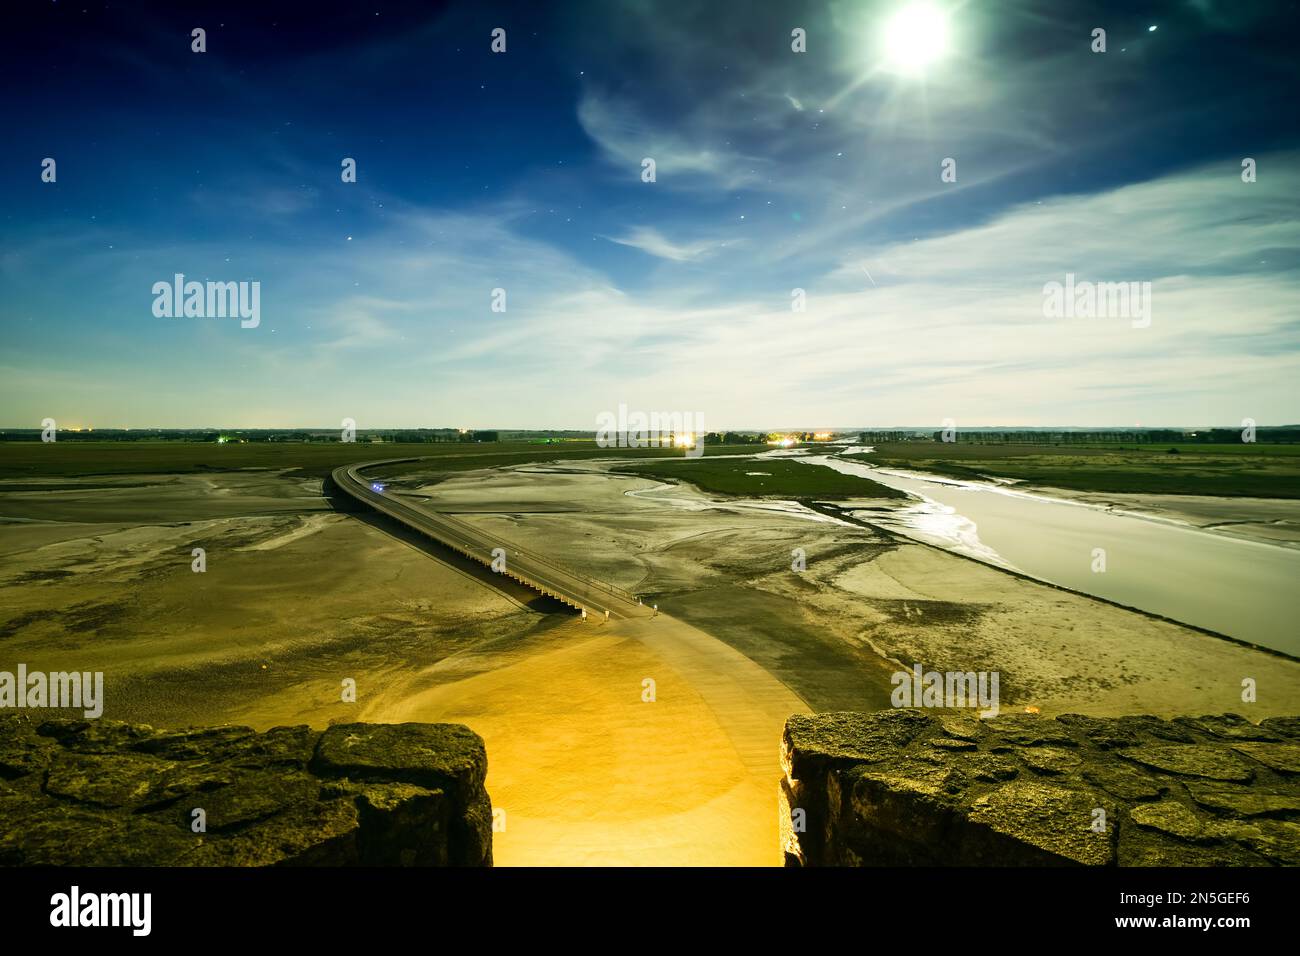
column 1241, row 588
column 936, row 523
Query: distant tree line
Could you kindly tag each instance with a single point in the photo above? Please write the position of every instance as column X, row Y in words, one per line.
column 403, row 435
column 1148, row 436
column 419, row 435
column 872, row 438
column 733, row 438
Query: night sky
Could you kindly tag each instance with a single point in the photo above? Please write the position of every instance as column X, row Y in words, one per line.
column 522, row 170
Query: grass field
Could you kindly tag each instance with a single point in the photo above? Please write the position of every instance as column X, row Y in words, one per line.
column 763, row 476
column 1236, row 471
column 80, row 459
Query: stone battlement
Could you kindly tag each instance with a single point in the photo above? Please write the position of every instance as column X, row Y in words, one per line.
column 104, row 793
column 907, row 787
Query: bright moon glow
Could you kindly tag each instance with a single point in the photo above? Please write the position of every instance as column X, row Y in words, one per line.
column 916, row 37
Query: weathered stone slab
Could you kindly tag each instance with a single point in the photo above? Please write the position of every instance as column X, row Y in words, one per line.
column 909, row 787
column 1055, row 819
column 1051, row 760
column 1282, row 757
column 431, row 755
column 1288, row 727
column 1170, row 816
column 1245, row 802
column 104, row 793
column 1193, row 760
column 1228, row 726
column 1123, row 781
column 122, row 780
column 850, row 737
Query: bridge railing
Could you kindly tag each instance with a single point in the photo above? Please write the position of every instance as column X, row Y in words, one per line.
column 545, row 561
column 464, row 537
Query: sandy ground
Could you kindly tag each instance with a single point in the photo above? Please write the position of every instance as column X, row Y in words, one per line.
column 296, row 598
column 869, row 603
column 594, row 765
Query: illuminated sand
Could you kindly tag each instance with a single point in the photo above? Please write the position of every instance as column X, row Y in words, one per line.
column 590, row 773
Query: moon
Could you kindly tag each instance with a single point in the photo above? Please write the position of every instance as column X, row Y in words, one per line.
column 916, row 37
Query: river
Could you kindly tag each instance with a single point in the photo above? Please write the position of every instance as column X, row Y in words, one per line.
column 1244, row 589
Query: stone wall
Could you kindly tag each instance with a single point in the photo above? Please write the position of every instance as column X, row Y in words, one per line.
column 95, row 793
column 906, row 787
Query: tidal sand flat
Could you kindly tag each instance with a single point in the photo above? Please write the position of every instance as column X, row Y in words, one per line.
column 868, row 599
column 590, row 763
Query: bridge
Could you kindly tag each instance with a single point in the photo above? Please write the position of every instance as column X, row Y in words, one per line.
column 520, row 564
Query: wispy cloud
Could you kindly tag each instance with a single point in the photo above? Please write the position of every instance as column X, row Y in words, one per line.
column 627, row 138
column 651, row 241
column 951, row 327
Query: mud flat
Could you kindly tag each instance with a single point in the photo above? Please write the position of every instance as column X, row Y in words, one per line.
column 298, row 598
column 868, row 601
column 1268, row 520
column 294, row 598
